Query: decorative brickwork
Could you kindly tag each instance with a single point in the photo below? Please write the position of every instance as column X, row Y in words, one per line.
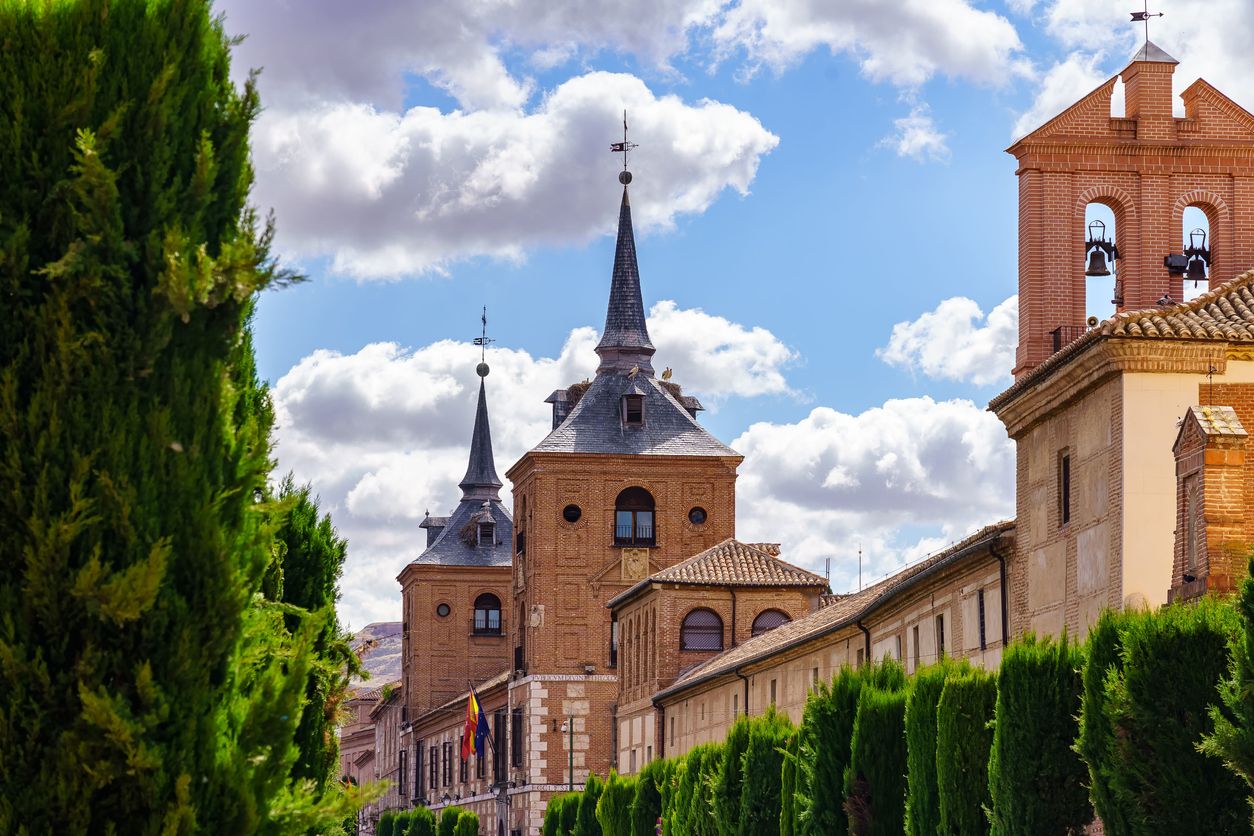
column 1147, row 166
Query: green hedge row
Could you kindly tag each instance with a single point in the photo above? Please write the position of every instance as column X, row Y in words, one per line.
column 1148, row 725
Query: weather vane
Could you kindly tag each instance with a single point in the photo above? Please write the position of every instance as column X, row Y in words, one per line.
column 622, row 148
column 483, row 341
column 1143, row 16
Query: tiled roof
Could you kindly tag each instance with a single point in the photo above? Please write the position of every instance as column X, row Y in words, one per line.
column 1225, row 314
column 625, row 340
column 433, row 522
column 1218, row 420
column 595, row 424
column 729, row 563
column 839, row 613
column 452, row 548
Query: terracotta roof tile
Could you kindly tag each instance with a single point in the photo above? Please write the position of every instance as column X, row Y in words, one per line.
column 1225, row 314
column 839, row 612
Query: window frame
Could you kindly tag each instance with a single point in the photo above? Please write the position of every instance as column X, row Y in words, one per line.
column 640, row 509
column 979, row 594
column 484, row 626
column 1064, row 486
column 755, row 630
column 687, row 630
column 632, row 410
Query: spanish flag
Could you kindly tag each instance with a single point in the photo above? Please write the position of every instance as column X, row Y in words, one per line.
column 476, row 731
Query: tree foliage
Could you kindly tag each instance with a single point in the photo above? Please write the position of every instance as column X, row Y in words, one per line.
column 614, row 808
column 467, row 824
column 964, row 738
column 1036, row 780
column 448, row 821
column 731, row 777
column 788, row 786
column 647, row 805
column 922, row 802
column 1232, row 737
column 762, row 766
column 147, row 686
column 586, row 823
column 875, row 780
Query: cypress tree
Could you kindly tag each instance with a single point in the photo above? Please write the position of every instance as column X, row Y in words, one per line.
column 686, row 791
column 702, row 821
column 570, row 813
column 387, row 823
column 1096, row 740
column 788, row 787
column 1232, row 737
column 1035, row 778
column 448, row 821
column 467, row 824
column 673, row 811
column 552, row 824
column 964, row 738
column 145, row 687
column 614, row 808
column 730, row 777
column 922, row 804
column 647, row 805
column 763, row 763
column 875, row 780
column 1158, row 704
column 587, row 824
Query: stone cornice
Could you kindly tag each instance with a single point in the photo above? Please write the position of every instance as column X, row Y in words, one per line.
column 1100, row 360
column 533, row 462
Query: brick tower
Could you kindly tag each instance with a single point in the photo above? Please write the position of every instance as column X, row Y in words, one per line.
column 1147, row 166
column 626, row 483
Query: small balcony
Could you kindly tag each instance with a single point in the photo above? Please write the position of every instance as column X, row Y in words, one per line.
column 1065, row 335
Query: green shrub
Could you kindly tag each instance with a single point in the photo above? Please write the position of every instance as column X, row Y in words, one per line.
column 421, row 823
column 614, row 808
column 401, row 823
column 467, row 824
column 964, row 738
column 1096, row 741
column 825, row 736
column 1036, row 780
column 763, row 762
column 586, row 823
column 387, row 824
column 1158, row 705
column 875, row 780
column 552, row 825
column 922, row 805
column 788, row 786
column 701, row 820
column 731, row 776
column 687, row 795
column 570, row 812
column 646, row 808
column 676, row 769
column 1232, row 736
column 448, row 821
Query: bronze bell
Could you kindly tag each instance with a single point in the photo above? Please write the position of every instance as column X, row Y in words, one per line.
column 1197, row 269
column 1097, row 264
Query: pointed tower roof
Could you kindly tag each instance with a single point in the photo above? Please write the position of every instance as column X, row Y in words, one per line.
column 1153, row 53
column 625, row 342
column 481, row 481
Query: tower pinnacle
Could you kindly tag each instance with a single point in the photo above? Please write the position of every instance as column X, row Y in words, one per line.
column 481, row 481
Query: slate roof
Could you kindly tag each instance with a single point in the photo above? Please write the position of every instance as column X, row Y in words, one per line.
column 1218, row 420
column 457, row 544
column 729, row 563
column 595, row 424
column 1153, row 52
column 625, row 341
column 838, row 613
column 1225, row 314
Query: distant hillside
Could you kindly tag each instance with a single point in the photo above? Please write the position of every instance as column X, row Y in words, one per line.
column 379, row 646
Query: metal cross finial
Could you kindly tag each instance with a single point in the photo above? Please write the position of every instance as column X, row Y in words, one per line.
column 622, row 148
column 1143, row 16
column 483, row 341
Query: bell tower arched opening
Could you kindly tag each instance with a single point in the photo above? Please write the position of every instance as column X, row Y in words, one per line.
column 1100, row 263
column 1196, row 249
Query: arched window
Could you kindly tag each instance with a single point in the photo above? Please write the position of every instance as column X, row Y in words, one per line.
column 1196, row 248
column 633, row 518
column 769, row 620
column 702, row 630
column 488, row 614
column 1102, row 289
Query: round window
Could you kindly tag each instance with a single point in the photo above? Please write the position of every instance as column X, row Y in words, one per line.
column 697, row 516
column 443, row 610
column 571, row 513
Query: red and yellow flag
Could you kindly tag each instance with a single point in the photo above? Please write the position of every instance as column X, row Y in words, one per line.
column 476, row 727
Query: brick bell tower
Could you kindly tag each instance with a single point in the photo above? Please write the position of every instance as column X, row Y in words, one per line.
column 1147, row 166
column 626, row 483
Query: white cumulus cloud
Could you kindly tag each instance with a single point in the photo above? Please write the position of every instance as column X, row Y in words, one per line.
column 955, row 341
column 383, row 433
column 900, row 480
column 387, row 193
column 917, row 136
column 1063, row 84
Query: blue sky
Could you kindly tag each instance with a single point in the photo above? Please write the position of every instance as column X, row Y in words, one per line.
column 810, row 178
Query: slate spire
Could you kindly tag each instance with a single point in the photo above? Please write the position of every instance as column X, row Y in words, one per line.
column 481, row 482
column 625, row 341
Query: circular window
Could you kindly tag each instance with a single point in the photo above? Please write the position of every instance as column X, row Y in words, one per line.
column 572, row 513
column 443, row 610
column 697, row 516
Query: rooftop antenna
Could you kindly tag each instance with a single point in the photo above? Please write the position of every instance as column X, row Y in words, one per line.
column 859, row 565
column 1210, row 381
column 483, row 341
column 623, row 147
column 827, row 569
column 1143, row 16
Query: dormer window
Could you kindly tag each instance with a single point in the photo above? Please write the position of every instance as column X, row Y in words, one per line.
column 487, row 534
column 633, row 410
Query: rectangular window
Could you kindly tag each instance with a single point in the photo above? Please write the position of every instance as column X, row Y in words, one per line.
column 614, row 642
column 702, row 712
column 446, row 764
column 462, row 763
column 772, row 692
column 516, row 738
column 861, row 656
column 1190, row 522
column 940, row 636
column 979, row 600
column 498, row 738
column 915, row 636
column 480, row 764
column 402, row 777
column 633, row 761
column 418, row 785
column 735, row 706
column 648, row 753
column 1064, row 487
column 433, row 771
column 672, row 732
column 633, row 410
column 487, row 534
column 897, row 647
